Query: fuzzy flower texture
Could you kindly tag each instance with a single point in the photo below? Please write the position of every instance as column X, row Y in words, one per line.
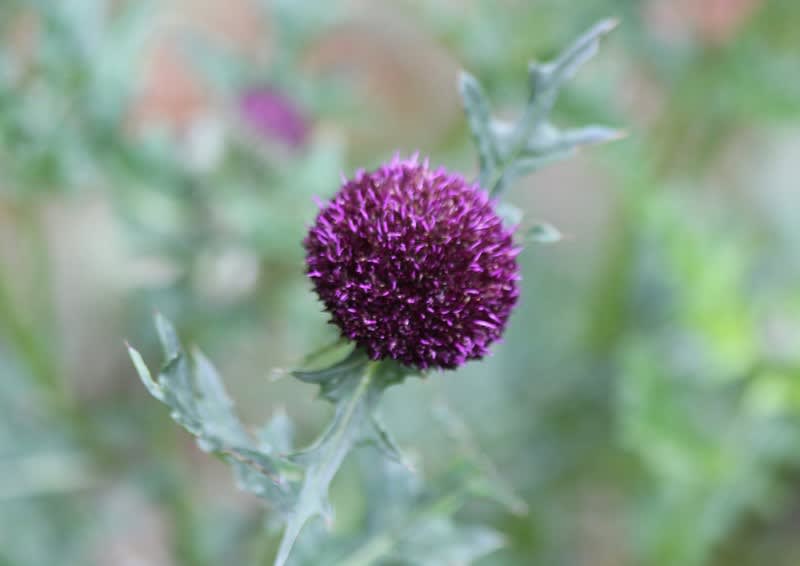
column 414, row 264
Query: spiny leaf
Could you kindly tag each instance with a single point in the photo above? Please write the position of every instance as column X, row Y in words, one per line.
column 479, row 118
column 549, row 140
column 197, row 400
column 272, row 479
column 215, row 408
column 343, row 367
column 170, row 342
column 523, row 166
column 333, row 380
column 543, row 234
column 510, row 214
column 507, row 151
column 407, row 518
column 297, row 484
column 144, row 373
column 278, row 434
column 381, row 439
column 583, row 49
column 323, row 459
column 588, row 135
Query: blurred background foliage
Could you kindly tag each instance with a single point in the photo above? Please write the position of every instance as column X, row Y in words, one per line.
column 164, row 156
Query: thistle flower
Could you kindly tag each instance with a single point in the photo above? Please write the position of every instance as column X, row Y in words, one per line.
column 414, row 264
column 274, row 116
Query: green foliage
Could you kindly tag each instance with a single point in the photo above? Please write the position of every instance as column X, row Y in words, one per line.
column 297, row 483
column 543, row 234
column 198, row 402
column 645, row 406
column 509, row 151
column 61, row 102
column 712, row 421
column 407, row 521
column 191, row 388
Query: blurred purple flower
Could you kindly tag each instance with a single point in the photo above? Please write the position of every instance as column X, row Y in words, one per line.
column 414, row 264
column 274, row 116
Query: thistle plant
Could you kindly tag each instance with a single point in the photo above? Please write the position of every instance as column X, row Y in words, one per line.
column 417, row 268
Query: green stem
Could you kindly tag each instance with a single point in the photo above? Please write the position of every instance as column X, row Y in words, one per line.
column 498, row 178
column 330, row 451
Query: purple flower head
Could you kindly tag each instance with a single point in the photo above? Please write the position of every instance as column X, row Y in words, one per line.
column 414, row 264
column 274, row 116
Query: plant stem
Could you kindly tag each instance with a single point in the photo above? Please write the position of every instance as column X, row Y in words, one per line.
column 329, row 451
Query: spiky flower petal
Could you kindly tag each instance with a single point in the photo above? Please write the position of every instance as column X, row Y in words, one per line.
column 414, row 264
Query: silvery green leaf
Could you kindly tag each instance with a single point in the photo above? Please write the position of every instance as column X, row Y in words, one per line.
column 144, row 374
column 510, row 150
column 273, row 479
column 215, row 407
column 503, row 133
column 197, row 400
column 523, row 166
column 334, row 380
column 544, row 87
column 170, row 342
column 389, row 373
column 479, row 119
column 440, row 541
column 589, row 135
column 277, row 434
column 510, row 214
column 418, row 528
column 543, row 234
column 352, row 361
column 401, row 508
column 550, row 140
column 380, row 438
column 389, row 488
column 583, row 49
column 179, row 394
column 297, row 484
